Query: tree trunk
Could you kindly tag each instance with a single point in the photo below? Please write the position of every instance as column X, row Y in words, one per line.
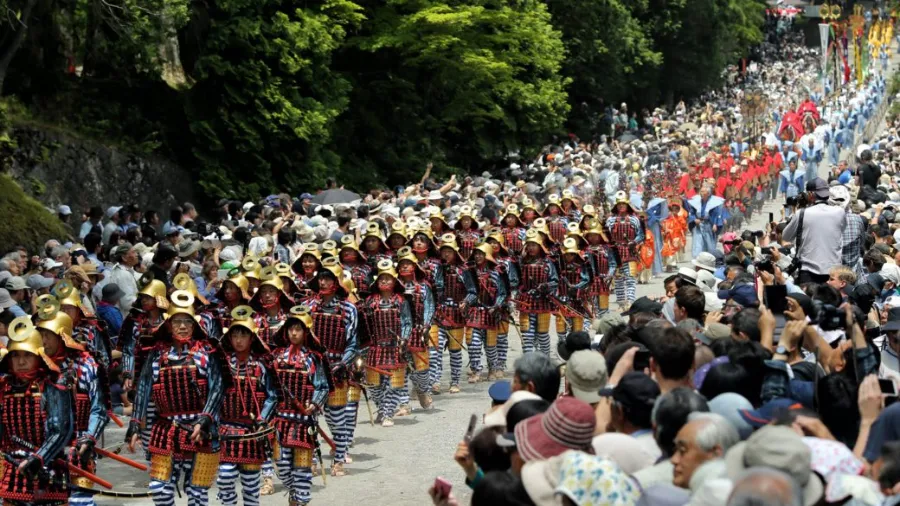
column 16, row 43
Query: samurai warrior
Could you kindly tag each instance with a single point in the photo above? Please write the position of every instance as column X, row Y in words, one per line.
column 467, row 233
column 183, row 378
column 539, row 279
column 388, row 322
column 35, row 421
column 508, row 267
column 303, row 384
column 421, row 301
column 79, row 374
column 484, row 316
column 459, row 293
column 626, row 234
column 334, row 324
column 248, row 407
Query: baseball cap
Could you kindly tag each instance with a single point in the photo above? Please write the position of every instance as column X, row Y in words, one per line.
column 38, row 282
column 64, row 210
column 305, row 196
column 586, row 374
column 110, row 211
column 635, row 390
column 15, row 283
column 819, row 187
column 497, row 418
column 500, row 391
column 644, row 305
column 6, row 301
column 767, row 412
column 49, row 263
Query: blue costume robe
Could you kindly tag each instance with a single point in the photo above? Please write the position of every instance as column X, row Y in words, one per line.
column 738, row 149
column 811, row 156
column 792, row 184
column 657, row 211
column 710, row 212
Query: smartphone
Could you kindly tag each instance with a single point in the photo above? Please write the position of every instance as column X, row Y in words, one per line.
column 442, row 487
column 641, row 359
column 888, row 388
column 771, row 217
column 470, row 430
column 776, row 298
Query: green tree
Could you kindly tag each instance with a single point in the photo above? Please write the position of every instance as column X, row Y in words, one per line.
column 264, row 98
column 609, row 54
column 462, row 82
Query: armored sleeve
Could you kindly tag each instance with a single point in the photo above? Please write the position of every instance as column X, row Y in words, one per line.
column 471, row 288
column 439, row 283
column 406, row 321
column 320, row 383
column 428, row 305
column 144, row 386
column 584, row 280
column 271, row 388
column 501, row 289
column 57, row 403
column 352, row 320
column 552, row 277
column 128, row 338
column 99, row 416
column 639, row 230
column 216, row 389
column 512, row 273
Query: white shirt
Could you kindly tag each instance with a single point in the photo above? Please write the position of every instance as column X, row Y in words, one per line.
column 126, row 279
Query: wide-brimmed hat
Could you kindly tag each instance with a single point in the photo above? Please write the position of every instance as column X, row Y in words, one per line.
column 705, row 261
column 780, row 448
column 182, row 281
column 511, row 210
column 589, row 480
column 568, row 425
column 50, row 318
column 405, row 254
column 497, row 418
column 487, row 249
column 622, row 198
column 188, row 247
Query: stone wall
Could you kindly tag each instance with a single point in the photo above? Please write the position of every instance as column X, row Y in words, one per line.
column 58, row 169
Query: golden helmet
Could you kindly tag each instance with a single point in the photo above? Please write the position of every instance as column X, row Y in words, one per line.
column 242, row 316
column 449, row 241
column 329, row 248
column 301, row 314
column 269, row 276
column 250, row 266
column 67, row 294
column 398, row 228
column 236, row 277
column 567, row 195
column 152, row 287
column 24, row 336
column 552, row 199
column 487, row 249
column 540, row 224
column 436, row 214
column 570, row 245
column 334, row 265
column 534, row 236
column 386, row 268
column 498, row 236
column 512, row 209
column 373, row 230
column 424, row 229
column 589, row 210
column 182, row 281
column 181, row 302
column 348, row 241
column 312, row 249
column 284, row 270
column 406, row 253
column 527, row 203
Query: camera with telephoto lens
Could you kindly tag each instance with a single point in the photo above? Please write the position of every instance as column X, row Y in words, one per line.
column 765, row 264
column 829, row 317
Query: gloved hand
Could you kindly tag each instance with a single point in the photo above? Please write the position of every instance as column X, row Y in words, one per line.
column 31, row 467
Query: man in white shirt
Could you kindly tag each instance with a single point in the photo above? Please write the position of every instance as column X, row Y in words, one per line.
column 123, row 275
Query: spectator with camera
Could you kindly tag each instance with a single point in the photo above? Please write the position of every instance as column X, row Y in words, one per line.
column 818, row 243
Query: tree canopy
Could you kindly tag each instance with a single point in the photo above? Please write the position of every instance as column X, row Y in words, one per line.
column 265, row 95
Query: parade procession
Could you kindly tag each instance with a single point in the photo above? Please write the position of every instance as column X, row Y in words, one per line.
column 240, row 352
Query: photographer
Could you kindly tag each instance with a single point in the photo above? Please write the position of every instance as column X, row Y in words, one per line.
column 818, row 231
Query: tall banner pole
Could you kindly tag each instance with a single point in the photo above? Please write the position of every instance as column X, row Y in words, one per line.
column 824, row 31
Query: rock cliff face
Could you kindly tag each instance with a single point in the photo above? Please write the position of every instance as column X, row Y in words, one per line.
column 57, row 169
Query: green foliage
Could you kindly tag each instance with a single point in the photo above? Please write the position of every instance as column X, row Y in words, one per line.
column 459, row 81
column 608, row 54
column 265, row 97
column 25, row 222
column 269, row 95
